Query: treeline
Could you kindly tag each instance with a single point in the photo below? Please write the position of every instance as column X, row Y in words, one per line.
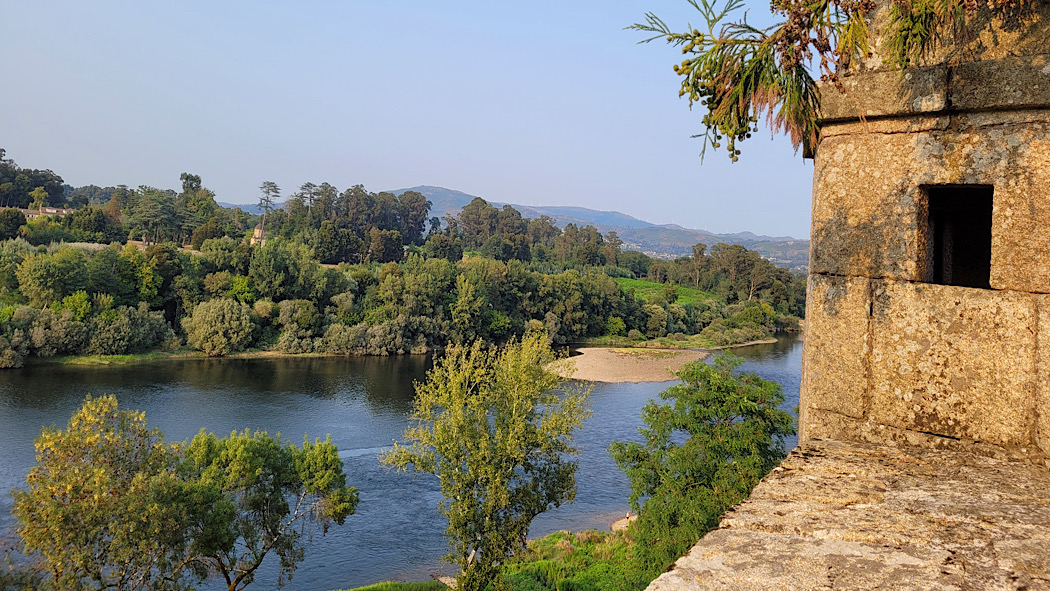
column 350, row 272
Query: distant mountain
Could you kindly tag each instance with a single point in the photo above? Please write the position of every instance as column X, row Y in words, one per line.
column 663, row 241
column 251, row 208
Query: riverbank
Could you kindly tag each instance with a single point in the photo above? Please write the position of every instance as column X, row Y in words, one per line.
column 617, row 365
column 185, row 353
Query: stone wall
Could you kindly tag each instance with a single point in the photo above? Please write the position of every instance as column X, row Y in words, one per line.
column 887, row 356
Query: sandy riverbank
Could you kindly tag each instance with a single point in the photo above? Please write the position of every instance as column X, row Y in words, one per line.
column 606, row 364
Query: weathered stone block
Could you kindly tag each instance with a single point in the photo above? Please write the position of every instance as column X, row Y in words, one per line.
column 1042, row 393
column 836, row 349
column 954, row 361
column 1015, row 82
column 1021, row 216
column 887, row 92
column 865, row 219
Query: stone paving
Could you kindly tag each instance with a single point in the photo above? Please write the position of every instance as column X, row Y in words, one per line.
column 863, row 516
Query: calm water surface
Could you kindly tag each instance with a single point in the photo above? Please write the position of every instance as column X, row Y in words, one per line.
column 364, row 404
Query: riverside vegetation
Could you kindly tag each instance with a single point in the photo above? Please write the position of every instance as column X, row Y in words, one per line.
column 349, row 272
column 111, row 505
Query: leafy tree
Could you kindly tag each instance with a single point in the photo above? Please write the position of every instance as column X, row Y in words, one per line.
column 98, row 506
column 111, row 506
column 385, row 246
column 700, row 454
column 11, row 220
column 271, row 492
column 491, row 427
column 219, row 327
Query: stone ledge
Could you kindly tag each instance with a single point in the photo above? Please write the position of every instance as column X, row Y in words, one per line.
column 1015, row 82
column 861, row 516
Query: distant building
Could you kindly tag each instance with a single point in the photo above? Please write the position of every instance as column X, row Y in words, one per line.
column 32, row 214
column 258, row 236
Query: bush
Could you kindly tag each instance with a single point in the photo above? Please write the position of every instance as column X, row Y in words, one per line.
column 219, row 327
column 615, row 326
column 127, row 330
column 635, row 335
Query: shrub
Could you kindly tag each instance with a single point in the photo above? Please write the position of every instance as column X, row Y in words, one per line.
column 635, row 335
column 219, row 327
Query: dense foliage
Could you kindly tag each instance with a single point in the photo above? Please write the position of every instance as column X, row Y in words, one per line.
column 701, row 452
column 354, row 273
column 492, row 428
column 110, row 505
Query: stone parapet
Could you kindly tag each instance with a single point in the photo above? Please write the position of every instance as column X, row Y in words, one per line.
column 859, row 516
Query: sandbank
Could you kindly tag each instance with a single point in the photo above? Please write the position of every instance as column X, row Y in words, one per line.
column 607, row 364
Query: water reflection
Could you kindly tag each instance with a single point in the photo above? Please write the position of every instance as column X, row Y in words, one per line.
column 364, row 404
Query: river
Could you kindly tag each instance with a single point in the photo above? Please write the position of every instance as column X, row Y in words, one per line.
column 363, row 403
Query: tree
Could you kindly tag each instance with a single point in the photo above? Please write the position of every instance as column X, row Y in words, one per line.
column 219, row 327
column 111, row 506
column 270, row 194
column 270, row 492
column 491, row 427
column 700, row 454
column 11, row 220
column 385, row 246
column 102, row 505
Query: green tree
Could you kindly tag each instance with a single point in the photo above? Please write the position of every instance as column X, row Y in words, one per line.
column 11, row 220
column 99, row 505
column 492, row 428
column 111, row 506
column 272, row 492
column 269, row 194
column 700, row 454
column 219, row 326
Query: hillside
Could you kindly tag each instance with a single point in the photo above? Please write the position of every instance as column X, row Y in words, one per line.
column 664, row 241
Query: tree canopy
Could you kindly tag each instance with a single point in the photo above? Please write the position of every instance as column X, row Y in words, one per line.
column 110, row 505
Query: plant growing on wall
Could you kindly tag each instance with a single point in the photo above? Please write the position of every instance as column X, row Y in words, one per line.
column 739, row 73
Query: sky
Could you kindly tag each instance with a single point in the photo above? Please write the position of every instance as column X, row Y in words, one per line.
column 549, row 102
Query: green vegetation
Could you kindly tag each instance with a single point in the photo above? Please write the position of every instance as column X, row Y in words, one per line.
column 111, row 505
column 650, row 290
column 585, row 561
column 492, row 428
column 429, row 586
column 702, row 452
column 351, row 273
column 739, row 73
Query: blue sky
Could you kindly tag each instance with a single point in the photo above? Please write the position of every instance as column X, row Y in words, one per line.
column 543, row 102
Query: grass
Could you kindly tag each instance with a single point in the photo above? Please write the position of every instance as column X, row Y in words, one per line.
column 111, row 359
column 429, row 586
column 583, row 561
column 647, row 289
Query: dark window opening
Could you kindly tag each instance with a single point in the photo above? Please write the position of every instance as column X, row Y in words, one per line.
column 959, row 235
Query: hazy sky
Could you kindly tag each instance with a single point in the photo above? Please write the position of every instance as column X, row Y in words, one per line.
column 544, row 102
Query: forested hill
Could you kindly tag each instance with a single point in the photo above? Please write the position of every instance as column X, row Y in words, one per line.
column 663, row 241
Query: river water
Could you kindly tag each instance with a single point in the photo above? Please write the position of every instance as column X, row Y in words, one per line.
column 364, row 404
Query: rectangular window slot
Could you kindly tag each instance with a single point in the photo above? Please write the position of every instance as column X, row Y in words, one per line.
column 959, row 235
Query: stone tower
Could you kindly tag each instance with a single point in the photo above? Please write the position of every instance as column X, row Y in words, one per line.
column 928, row 318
